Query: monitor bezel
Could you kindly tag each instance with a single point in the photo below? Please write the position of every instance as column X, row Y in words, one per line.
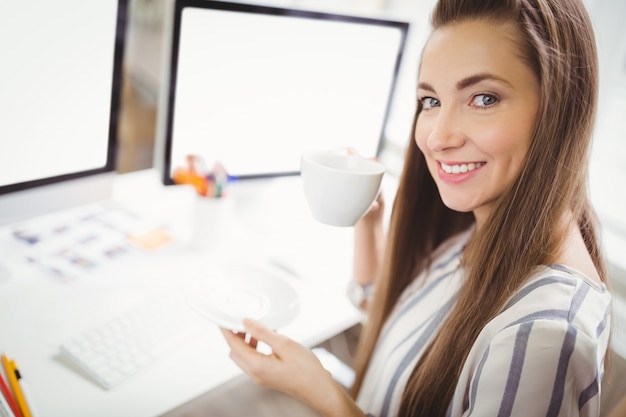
column 165, row 162
column 115, row 107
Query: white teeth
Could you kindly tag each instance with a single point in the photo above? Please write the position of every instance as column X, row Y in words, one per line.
column 460, row 169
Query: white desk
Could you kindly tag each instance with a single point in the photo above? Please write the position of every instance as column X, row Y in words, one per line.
column 270, row 221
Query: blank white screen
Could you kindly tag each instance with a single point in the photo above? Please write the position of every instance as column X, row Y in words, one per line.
column 254, row 91
column 55, row 82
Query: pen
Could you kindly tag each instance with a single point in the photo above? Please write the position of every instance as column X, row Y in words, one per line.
column 26, row 393
column 15, row 386
column 5, row 408
column 5, row 389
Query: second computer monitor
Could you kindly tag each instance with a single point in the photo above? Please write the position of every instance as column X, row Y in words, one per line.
column 253, row 87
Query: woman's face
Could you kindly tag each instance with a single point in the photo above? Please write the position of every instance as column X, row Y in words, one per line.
column 480, row 102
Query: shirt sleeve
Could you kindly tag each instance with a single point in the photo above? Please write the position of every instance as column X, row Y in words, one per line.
column 537, row 368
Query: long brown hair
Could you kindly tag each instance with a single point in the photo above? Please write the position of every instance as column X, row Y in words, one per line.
column 556, row 42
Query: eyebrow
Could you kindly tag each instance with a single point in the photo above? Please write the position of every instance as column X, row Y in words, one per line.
column 467, row 82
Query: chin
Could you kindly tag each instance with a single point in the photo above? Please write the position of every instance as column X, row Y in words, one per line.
column 460, row 206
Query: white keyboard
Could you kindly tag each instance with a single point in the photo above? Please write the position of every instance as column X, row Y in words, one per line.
column 120, row 348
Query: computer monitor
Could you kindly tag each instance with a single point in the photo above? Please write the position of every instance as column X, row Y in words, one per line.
column 253, row 86
column 59, row 103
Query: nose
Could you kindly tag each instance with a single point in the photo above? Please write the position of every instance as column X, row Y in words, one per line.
column 444, row 130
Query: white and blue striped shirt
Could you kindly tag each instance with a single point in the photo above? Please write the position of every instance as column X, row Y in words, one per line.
column 543, row 355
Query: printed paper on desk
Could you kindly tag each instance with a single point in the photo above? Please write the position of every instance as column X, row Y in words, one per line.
column 78, row 243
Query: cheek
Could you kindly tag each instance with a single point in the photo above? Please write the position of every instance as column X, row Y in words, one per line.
column 511, row 136
column 504, row 139
column 507, row 150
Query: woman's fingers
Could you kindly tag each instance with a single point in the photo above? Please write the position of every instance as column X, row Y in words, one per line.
column 264, row 369
column 243, row 353
column 233, row 339
column 290, row 367
column 253, row 342
column 262, row 333
column 243, row 344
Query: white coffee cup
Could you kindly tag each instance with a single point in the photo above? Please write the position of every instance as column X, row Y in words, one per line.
column 339, row 187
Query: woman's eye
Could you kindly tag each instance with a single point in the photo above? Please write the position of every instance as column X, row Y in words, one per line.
column 483, row 100
column 429, row 102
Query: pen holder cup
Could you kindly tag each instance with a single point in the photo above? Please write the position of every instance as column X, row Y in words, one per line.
column 210, row 222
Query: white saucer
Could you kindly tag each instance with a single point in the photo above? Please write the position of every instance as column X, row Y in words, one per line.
column 227, row 294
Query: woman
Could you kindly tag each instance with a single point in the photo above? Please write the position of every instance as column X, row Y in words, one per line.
column 491, row 298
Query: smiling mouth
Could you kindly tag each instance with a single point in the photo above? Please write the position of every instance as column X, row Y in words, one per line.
column 461, row 168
